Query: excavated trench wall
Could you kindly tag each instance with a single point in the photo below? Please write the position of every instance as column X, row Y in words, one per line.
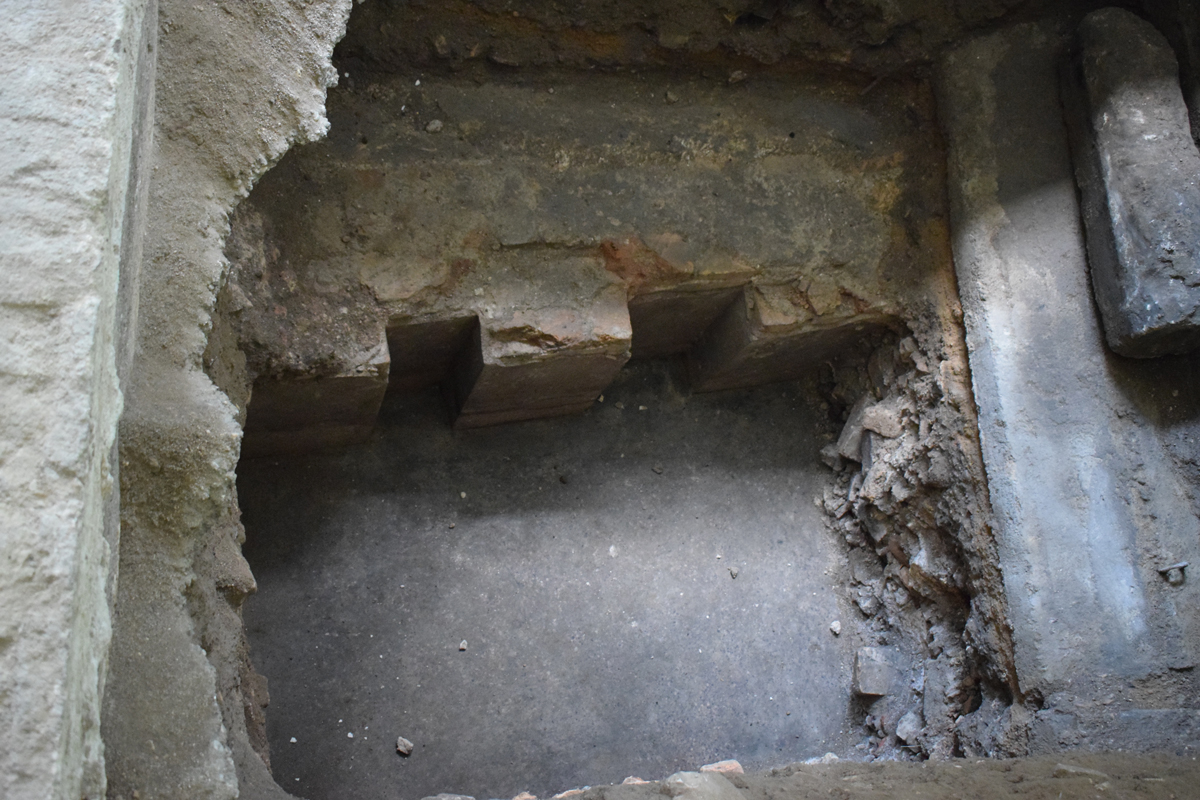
column 1041, row 610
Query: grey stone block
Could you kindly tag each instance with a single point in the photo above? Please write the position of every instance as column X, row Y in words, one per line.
column 877, row 671
column 545, row 361
column 1136, row 166
column 763, row 337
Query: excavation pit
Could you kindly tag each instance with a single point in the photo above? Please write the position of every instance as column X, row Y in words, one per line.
column 477, row 524
column 646, row 588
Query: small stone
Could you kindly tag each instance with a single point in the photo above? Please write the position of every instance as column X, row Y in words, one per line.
column 835, row 628
column 293, row 740
column 737, row 76
column 462, row 645
column 883, row 420
column 1174, row 574
column 876, row 670
column 404, row 747
column 671, row 97
column 349, row 735
column 434, row 126
column 828, row 758
column 832, row 458
column 658, row 470
column 632, row 781
column 700, row 786
column 733, row 572
column 849, row 443
column 726, row 767
column 620, row 404
column 463, row 495
column 641, row 408
column 1072, row 771
column 909, row 726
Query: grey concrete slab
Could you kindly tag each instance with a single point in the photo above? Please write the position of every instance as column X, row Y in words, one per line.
column 643, row 589
column 1088, row 500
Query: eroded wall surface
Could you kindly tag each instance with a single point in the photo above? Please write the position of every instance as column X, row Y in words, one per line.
column 237, row 83
column 70, row 117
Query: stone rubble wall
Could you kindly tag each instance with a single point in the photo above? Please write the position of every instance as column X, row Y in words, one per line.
column 74, row 94
column 936, row 677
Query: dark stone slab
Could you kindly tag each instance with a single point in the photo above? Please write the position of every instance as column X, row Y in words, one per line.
column 1137, row 170
column 1179, row 20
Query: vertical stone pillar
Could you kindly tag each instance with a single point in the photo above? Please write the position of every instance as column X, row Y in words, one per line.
column 69, row 120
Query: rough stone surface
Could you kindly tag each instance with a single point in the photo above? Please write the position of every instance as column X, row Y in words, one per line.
column 72, row 100
column 1178, row 21
column 1089, row 484
column 1136, row 166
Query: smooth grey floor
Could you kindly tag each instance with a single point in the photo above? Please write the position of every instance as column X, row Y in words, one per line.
column 587, row 564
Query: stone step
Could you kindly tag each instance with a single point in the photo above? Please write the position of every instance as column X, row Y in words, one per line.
column 287, row 416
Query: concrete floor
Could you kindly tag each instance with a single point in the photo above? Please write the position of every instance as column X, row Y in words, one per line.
column 589, row 565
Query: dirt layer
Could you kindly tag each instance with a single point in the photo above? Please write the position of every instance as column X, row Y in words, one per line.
column 1066, row 777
